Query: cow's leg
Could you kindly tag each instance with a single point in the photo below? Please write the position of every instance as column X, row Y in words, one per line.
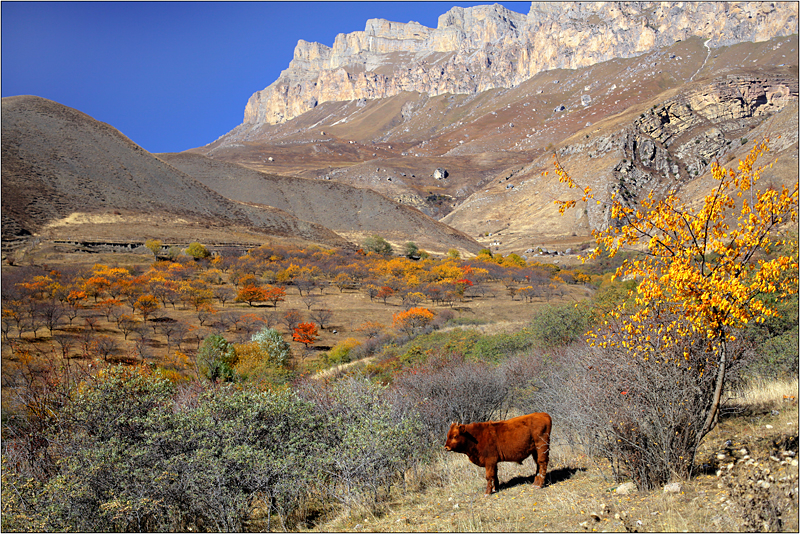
column 491, row 477
column 542, row 456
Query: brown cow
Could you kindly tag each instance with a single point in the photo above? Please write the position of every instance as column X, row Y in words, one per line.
column 504, row 441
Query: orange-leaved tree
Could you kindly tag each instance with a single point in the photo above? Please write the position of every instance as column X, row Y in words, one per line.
column 305, row 333
column 252, row 293
column 276, row 295
column 412, row 320
column 146, row 304
column 704, row 270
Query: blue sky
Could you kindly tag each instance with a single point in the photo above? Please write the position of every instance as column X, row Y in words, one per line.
column 174, row 75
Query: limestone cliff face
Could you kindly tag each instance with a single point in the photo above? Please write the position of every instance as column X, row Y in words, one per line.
column 484, row 47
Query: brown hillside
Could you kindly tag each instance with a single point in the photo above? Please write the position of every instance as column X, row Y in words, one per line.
column 67, row 176
column 352, row 212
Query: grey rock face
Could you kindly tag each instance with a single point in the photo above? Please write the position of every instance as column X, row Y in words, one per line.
column 484, row 47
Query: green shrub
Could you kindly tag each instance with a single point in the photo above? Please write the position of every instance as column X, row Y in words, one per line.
column 102, row 441
column 466, row 321
column 775, row 341
column 559, row 325
column 274, row 347
column 197, row 251
column 498, row 347
column 340, row 353
column 134, row 456
column 411, row 251
column 378, row 245
column 216, row 359
column 368, row 442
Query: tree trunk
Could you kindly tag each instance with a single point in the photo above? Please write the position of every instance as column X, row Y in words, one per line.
column 713, row 413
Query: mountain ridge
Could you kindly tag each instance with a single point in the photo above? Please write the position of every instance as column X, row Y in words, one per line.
column 486, row 47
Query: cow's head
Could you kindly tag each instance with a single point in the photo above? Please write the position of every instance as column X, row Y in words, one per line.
column 457, row 438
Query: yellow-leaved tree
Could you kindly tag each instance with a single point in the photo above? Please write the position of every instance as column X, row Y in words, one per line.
column 703, row 270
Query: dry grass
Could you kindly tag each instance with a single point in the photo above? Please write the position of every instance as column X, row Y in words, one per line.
column 767, row 394
column 579, row 496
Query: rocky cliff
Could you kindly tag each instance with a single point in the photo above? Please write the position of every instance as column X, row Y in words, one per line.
column 484, row 47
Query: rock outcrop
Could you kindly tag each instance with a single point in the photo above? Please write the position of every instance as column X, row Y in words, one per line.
column 677, row 140
column 484, row 47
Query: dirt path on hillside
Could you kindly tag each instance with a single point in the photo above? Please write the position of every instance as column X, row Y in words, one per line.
column 325, row 373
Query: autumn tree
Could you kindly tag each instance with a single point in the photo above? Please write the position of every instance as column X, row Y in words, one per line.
column 74, row 302
column 251, row 294
column 384, row 293
column 275, row 295
column 154, row 245
column 165, row 291
column 305, row 333
column 95, row 286
column 412, row 320
column 146, row 304
column 706, row 270
column 343, row 281
column 196, row 294
column 247, row 279
column 370, row 329
column 212, row 276
column 197, row 251
column 107, row 307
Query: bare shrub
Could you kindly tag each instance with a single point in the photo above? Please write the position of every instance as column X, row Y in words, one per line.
column 644, row 416
column 451, row 388
column 370, row 346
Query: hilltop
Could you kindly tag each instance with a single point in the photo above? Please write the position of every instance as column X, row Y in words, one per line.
column 71, row 179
